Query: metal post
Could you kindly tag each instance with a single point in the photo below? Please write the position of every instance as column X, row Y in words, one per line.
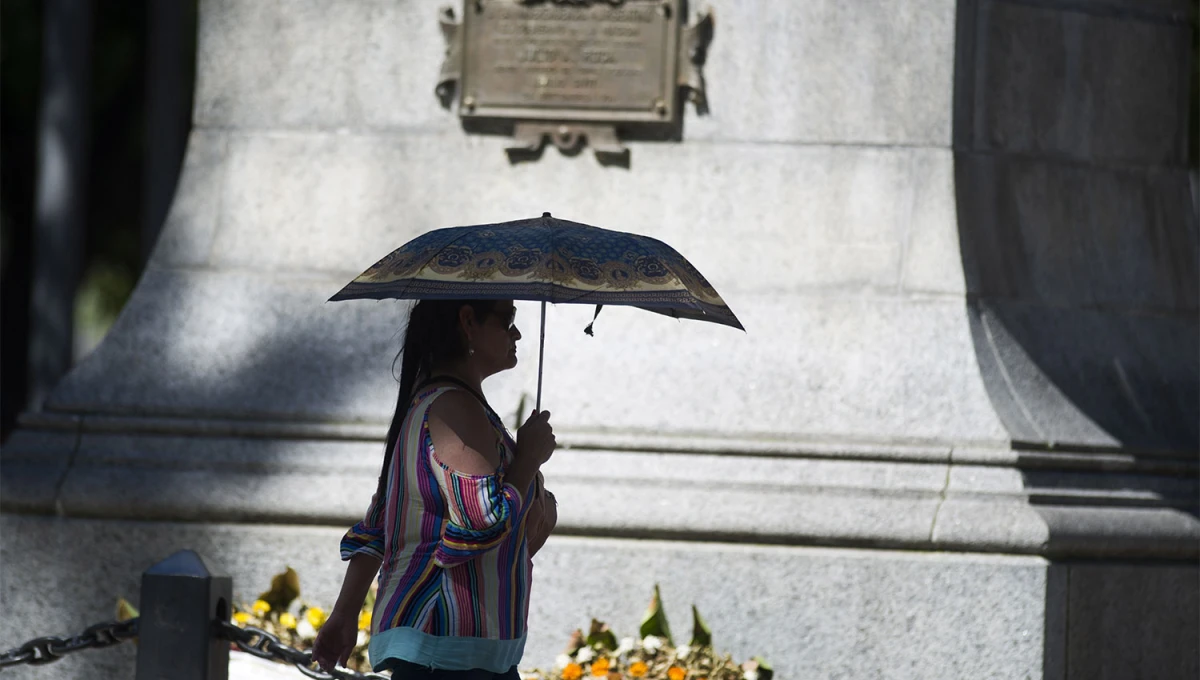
column 177, row 635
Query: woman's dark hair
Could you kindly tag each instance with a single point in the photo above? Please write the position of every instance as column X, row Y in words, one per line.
column 432, row 337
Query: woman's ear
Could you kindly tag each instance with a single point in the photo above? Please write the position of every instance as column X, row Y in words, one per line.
column 466, row 317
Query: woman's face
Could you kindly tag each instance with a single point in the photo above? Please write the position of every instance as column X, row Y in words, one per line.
column 495, row 339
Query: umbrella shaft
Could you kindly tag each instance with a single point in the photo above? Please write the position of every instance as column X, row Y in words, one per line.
column 541, row 356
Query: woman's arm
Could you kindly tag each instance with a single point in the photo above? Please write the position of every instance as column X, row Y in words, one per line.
column 336, row 639
column 359, row 574
column 482, row 507
column 541, row 520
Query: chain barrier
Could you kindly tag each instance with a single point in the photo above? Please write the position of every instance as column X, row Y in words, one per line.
column 45, row 650
column 264, row 645
column 251, row 640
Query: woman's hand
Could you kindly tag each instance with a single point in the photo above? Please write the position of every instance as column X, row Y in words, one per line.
column 335, row 641
column 535, row 445
column 535, row 439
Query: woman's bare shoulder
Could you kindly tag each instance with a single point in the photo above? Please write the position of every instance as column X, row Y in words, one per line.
column 463, row 437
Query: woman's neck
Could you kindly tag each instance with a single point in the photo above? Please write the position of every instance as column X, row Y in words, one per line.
column 461, row 371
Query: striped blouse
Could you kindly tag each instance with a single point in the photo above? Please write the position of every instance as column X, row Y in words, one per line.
column 454, row 583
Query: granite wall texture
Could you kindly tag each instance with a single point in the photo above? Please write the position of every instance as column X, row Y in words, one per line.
column 957, row 440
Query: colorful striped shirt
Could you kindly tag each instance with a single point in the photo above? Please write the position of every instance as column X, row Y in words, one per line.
column 454, row 583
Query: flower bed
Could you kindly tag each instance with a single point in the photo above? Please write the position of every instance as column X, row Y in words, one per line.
column 652, row 655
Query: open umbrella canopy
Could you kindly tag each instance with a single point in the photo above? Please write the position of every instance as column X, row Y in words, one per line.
column 544, row 259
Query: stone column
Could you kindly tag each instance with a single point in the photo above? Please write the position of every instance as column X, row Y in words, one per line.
column 957, row 439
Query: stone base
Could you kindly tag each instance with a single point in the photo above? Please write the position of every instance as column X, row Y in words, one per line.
column 812, row 612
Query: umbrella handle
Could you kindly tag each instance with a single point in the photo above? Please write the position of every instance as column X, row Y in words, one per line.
column 541, row 356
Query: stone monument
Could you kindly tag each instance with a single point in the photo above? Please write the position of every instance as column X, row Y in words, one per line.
column 958, row 439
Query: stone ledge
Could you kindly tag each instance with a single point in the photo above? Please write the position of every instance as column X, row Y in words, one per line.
column 1097, row 459
column 791, row 500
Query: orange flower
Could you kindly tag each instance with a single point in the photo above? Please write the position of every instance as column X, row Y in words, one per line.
column 600, row 667
column 638, row 668
column 676, row 673
column 573, row 671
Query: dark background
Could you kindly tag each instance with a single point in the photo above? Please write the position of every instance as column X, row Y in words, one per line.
column 121, row 217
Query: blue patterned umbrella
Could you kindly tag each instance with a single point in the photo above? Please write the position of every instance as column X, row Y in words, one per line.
column 548, row 260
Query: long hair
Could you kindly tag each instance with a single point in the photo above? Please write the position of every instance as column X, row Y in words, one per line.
column 432, row 337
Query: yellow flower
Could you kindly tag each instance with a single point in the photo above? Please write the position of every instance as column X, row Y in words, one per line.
column 676, row 673
column 638, row 668
column 287, row 620
column 241, row 617
column 316, row 617
column 260, row 607
column 573, row 671
column 364, row 621
column 600, row 667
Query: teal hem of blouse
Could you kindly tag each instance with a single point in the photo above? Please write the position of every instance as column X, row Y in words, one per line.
column 444, row 652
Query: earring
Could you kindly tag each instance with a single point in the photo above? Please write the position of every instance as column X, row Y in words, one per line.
column 470, row 351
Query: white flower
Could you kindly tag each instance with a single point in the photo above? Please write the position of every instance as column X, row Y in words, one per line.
column 305, row 628
column 362, row 638
column 750, row 675
column 682, row 651
column 562, row 661
column 625, row 647
column 652, row 643
column 585, row 654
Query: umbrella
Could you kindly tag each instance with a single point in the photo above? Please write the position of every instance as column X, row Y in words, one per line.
column 544, row 259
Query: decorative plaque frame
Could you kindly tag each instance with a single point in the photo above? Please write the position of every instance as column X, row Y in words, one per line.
column 574, row 71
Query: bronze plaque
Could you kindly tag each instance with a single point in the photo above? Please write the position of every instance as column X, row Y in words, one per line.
column 603, row 62
column 573, row 70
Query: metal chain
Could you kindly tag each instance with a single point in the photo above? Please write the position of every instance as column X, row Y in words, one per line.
column 251, row 640
column 264, row 645
column 45, row 650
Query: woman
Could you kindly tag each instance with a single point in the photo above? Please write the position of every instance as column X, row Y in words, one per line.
column 459, row 511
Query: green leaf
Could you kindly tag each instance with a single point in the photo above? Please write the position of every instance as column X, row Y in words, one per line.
column 125, row 610
column 701, row 635
column 655, row 621
column 575, row 643
column 764, row 671
column 600, row 636
column 521, row 411
column 285, row 587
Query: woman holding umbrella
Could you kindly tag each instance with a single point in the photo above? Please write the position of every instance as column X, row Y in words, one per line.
column 459, row 511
